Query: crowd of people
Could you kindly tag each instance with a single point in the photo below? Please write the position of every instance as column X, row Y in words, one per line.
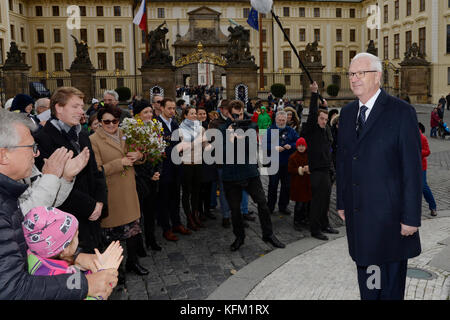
column 81, row 191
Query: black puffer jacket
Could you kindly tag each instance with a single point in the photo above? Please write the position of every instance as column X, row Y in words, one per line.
column 15, row 282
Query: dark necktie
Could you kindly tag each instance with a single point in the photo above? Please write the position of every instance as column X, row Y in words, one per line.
column 361, row 120
column 73, row 137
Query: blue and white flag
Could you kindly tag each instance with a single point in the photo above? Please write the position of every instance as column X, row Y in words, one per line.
column 253, row 19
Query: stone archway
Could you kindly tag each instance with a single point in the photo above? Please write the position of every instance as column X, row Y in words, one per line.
column 204, row 28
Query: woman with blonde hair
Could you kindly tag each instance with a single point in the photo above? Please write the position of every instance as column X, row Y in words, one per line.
column 292, row 119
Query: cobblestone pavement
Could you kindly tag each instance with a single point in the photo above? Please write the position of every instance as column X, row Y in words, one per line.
column 328, row 272
column 194, row 266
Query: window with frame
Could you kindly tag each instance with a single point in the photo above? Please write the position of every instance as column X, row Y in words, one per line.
column 143, row 36
column 102, row 83
column 288, row 34
column 101, row 58
column 40, row 35
column 82, row 11
column 59, row 63
column 56, row 35
column 376, row 34
column 42, row 62
column 99, row 10
column 352, row 54
column 161, row 13
column 20, row 8
column 24, row 57
column 101, row 35
column 338, row 35
column 369, row 34
column 264, row 59
column 448, row 76
column 317, row 35
column 352, row 13
column 302, row 34
column 13, row 32
column 1, row 51
column 386, row 14
column 287, row 59
column 338, row 12
column 397, row 46
column 246, row 12
column 397, row 9
column 264, row 35
column 421, row 5
column 302, row 12
column 408, row 8
column 22, row 34
column 55, row 11
column 423, row 40
column 386, row 47
column 339, row 59
column 83, row 35
column 38, row 10
column 117, row 11
column 316, row 12
column 408, row 40
column 286, row 11
column 448, row 37
column 118, row 35
column 352, row 35
column 287, row 80
column 11, row 5
column 118, row 59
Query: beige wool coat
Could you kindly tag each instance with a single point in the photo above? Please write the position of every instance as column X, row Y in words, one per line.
column 123, row 201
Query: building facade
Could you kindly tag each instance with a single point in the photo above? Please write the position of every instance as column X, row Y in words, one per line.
column 42, row 30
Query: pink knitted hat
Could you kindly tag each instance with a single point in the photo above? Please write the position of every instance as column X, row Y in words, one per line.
column 48, row 231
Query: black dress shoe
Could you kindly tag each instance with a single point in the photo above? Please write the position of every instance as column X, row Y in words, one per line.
column 209, row 215
column 330, row 230
column 319, row 236
column 153, row 245
column 136, row 268
column 274, row 241
column 237, row 244
column 249, row 217
column 285, row 212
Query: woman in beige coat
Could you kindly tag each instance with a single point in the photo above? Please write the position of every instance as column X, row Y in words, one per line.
column 111, row 155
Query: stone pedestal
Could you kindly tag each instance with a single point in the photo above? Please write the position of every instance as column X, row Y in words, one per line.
column 247, row 76
column 415, row 83
column 83, row 80
column 162, row 77
column 15, row 81
column 316, row 73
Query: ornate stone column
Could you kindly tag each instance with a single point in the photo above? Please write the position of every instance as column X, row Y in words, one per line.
column 15, row 73
column 416, row 76
column 312, row 59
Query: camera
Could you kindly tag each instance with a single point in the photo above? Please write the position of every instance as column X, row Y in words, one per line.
column 240, row 124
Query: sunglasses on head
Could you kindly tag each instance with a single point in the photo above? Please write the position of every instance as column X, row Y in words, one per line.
column 115, row 121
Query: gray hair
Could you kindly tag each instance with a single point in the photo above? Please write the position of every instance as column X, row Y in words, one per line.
column 42, row 102
column 374, row 60
column 111, row 93
column 281, row 113
column 9, row 136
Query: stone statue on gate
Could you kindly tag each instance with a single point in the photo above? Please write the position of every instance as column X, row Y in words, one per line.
column 414, row 56
column 82, row 60
column 311, row 55
column 14, row 57
column 159, row 47
column 238, row 51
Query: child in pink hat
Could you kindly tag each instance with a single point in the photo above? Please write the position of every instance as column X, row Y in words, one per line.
column 52, row 239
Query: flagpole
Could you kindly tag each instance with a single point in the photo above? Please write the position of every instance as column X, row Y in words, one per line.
column 147, row 45
column 261, row 58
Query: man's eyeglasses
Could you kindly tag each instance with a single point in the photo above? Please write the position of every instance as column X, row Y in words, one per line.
column 359, row 74
column 34, row 146
column 115, row 121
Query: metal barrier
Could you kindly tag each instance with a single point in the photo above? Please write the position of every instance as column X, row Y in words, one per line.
column 102, row 83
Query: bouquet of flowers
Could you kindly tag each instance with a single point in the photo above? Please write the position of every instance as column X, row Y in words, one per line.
column 147, row 138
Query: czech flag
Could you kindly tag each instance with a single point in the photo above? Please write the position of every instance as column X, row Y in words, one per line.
column 141, row 16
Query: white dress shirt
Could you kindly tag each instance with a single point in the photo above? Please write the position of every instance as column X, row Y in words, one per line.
column 167, row 122
column 369, row 104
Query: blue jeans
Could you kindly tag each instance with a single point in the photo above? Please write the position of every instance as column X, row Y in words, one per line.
column 244, row 202
column 224, row 208
column 433, row 131
column 427, row 192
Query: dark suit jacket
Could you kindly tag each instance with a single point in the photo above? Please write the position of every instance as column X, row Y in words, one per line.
column 89, row 187
column 379, row 181
column 169, row 172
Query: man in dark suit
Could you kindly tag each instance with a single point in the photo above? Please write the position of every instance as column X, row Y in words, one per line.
column 379, row 182
column 88, row 195
column 170, row 180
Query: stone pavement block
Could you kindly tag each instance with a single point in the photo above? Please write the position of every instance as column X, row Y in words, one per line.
column 176, row 292
column 140, row 296
column 176, row 256
column 205, row 281
column 169, row 280
column 186, row 276
column 190, row 284
column 159, row 297
column 198, row 269
column 196, row 294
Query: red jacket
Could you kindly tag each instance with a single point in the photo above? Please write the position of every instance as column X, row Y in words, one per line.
column 425, row 151
column 434, row 122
